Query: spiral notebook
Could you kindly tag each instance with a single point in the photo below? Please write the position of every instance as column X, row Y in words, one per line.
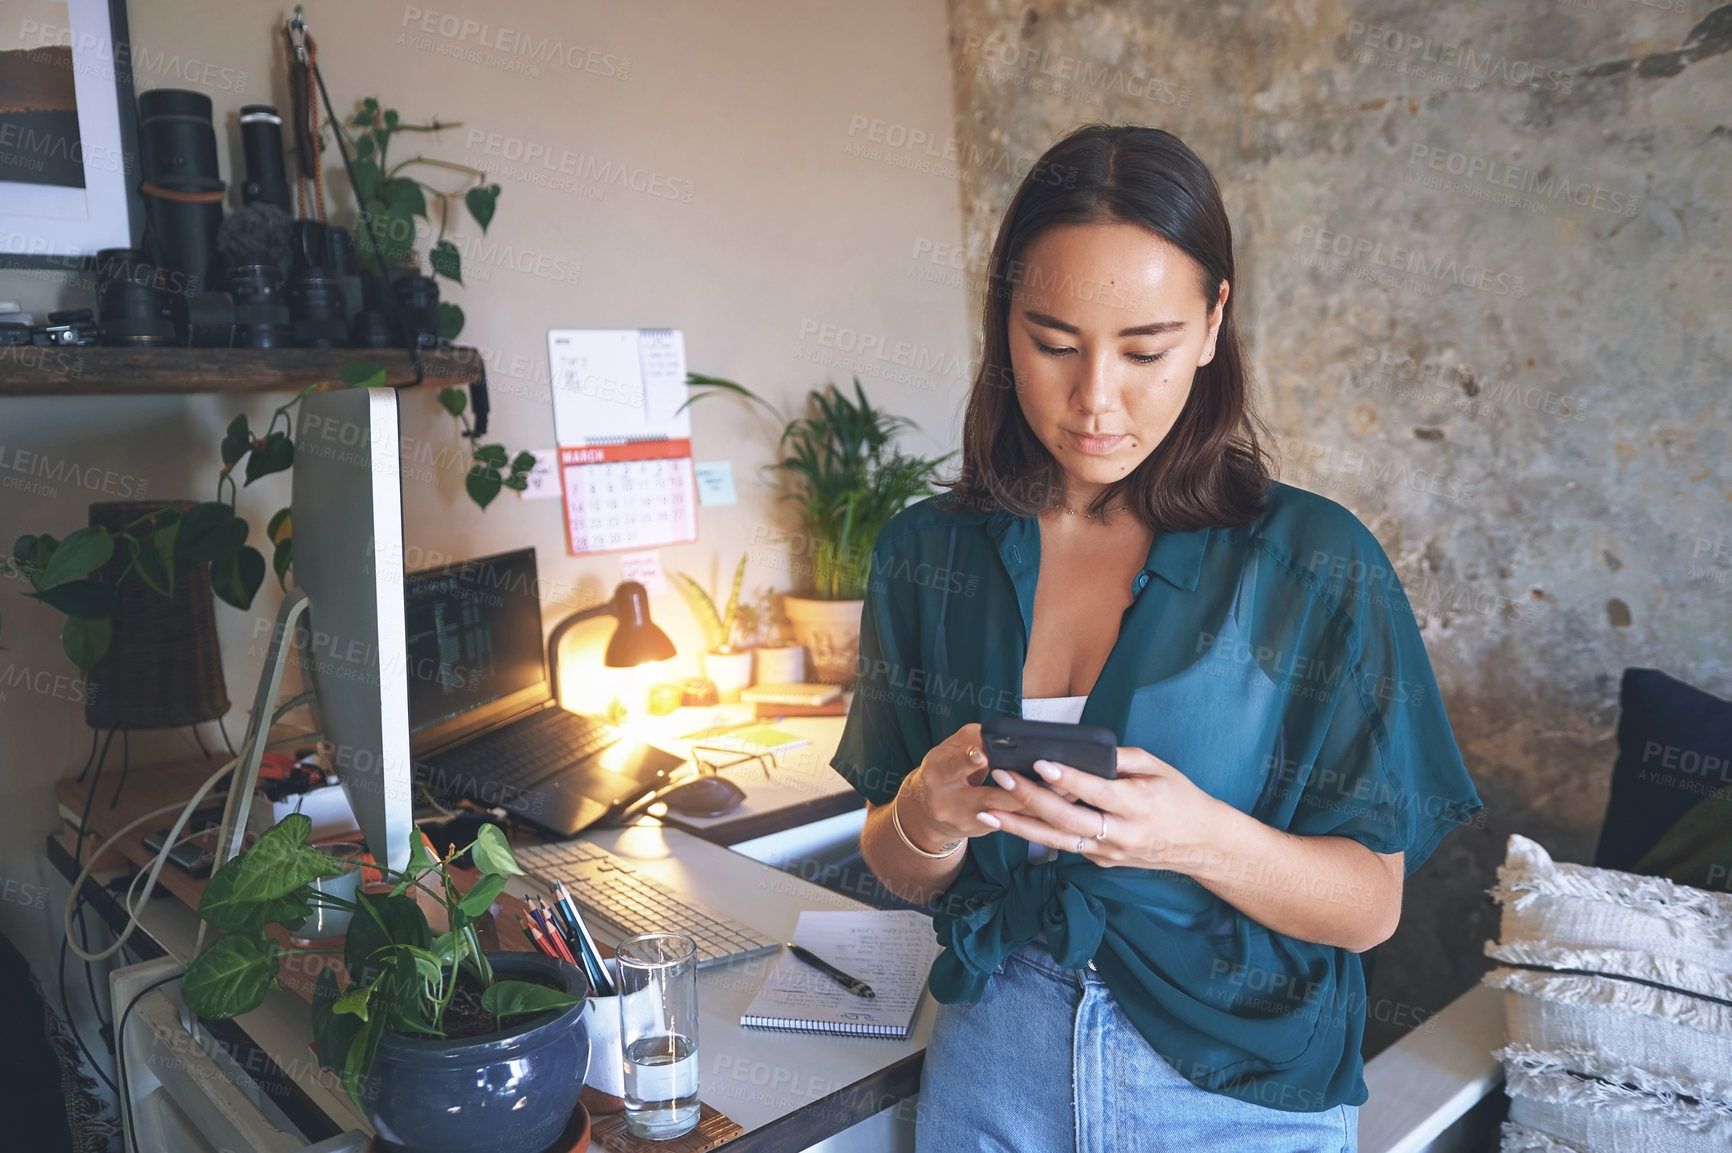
column 892, row 951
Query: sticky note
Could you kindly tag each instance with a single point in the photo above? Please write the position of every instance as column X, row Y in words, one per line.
column 646, row 569
column 716, row 482
column 544, row 477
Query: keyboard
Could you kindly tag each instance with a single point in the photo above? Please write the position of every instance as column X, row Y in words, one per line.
column 528, row 751
column 619, row 901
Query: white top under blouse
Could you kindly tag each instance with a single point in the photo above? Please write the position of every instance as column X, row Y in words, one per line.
column 1066, row 709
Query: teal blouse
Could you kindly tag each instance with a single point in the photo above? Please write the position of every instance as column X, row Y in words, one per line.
column 1277, row 665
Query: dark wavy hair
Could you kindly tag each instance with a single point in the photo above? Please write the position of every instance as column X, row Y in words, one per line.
column 1210, row 469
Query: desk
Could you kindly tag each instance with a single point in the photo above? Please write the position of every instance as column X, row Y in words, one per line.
column 787, row 1090
column 803, row 788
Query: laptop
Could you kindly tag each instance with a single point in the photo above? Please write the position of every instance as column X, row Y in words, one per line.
column 482, row 717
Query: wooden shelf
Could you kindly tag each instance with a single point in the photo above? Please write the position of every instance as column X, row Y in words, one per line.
column 98, row 371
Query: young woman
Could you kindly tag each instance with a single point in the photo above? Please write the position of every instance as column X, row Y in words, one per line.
column 1168, row 960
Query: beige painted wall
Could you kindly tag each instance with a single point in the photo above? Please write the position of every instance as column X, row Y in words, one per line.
column 790, row 252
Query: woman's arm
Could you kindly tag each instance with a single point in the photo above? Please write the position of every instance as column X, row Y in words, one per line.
column 1331, row 890
column 904, row 872
column 938, row 806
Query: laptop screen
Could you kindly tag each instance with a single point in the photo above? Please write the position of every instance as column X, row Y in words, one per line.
column 474, row 636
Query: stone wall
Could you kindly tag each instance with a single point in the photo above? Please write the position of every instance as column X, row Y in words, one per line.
column 1483, row 257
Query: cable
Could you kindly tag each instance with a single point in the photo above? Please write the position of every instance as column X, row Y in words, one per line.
column 72, row 1024
column 186, row 812
column 89, row 796
column 173, row 837
column 293, row 703
column 90, row 975
column 127, row 1138
column 91, row 758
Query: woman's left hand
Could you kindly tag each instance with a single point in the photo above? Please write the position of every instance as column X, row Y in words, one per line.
column 1151, row 817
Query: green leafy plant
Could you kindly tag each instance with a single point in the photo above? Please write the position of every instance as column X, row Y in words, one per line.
column 393, row 198
column 161, row 548
column 488, row 469
column 849, row 479
column 720, row 629
column 402, row 976
column 761, row 622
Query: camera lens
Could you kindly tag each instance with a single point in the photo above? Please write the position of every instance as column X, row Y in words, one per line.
column 316, row 304
column 134, row 307
column 262, row 141
column 182, row 190
column 418, row 308
column 261, row 316
column 370, row 330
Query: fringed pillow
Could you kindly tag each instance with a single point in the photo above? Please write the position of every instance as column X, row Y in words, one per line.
column 1618, row 1009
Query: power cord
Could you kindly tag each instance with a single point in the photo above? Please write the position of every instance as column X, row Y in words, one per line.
column 128, row 1138
column 168, row 843
column 186, row 812
column 71, row 1022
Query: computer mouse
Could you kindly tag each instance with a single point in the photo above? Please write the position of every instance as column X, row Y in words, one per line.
column 705, row 797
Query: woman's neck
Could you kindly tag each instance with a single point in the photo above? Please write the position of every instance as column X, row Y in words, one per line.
column 1077, row 498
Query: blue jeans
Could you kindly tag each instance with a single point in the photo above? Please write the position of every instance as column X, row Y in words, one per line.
column 1047, row 1061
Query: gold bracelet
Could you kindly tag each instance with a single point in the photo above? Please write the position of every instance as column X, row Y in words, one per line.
column 896, row 820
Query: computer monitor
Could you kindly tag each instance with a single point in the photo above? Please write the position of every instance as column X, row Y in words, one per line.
column 347, row 514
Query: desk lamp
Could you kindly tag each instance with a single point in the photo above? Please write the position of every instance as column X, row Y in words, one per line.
column 635, row 640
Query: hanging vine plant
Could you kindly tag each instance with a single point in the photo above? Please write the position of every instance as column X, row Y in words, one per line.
column 393, row 198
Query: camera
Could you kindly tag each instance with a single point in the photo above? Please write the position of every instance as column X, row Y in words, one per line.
column 70, row 326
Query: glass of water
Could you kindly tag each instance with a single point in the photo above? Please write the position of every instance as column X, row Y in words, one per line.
column 658, row 1017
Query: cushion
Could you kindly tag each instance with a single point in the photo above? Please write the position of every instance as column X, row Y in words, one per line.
column 1696, row 851
column 1608, row 1027
column 1674, row 749
column 1618, row 1009
column 1557, row 1111
column 1563, row 916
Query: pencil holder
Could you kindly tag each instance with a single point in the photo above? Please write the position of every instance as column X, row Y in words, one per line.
column 606, row 1053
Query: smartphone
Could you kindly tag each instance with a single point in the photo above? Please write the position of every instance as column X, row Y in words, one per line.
column 196, row 852
column 1015, row 744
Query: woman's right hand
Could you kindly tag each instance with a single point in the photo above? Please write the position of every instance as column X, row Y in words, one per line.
column 941, row 802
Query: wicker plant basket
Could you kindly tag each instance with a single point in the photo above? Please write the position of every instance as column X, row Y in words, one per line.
column 164, row 669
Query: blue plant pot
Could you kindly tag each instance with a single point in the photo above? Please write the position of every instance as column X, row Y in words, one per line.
column 507, row 1092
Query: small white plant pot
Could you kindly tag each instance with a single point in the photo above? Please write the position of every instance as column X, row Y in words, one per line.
column 730, row 672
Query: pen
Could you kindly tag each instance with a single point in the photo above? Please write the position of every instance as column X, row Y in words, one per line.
column 585, row 943
column 853, row 984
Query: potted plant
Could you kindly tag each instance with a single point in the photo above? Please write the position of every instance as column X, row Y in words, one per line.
column 442, row 1046
column 780, row 658
column 727, row 657
column 849, row 480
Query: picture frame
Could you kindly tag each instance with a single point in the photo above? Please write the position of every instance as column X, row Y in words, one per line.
column 69, row 160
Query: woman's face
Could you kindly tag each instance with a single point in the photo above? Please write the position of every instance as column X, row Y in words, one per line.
column 1108, row 324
